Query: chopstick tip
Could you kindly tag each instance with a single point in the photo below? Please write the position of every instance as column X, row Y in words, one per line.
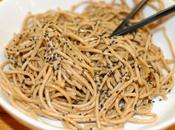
column 114, row 34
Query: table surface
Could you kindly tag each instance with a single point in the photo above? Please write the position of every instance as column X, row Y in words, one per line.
column 8, row 123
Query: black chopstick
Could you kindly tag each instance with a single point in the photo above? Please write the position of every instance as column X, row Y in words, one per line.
column 146, row 21
column 131, row 15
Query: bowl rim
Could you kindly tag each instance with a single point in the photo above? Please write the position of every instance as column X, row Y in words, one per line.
column 24, row 119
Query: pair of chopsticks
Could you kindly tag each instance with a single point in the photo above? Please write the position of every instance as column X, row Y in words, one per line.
column 123, row 29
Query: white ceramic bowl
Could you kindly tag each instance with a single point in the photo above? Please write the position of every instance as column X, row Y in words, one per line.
column 12, row 13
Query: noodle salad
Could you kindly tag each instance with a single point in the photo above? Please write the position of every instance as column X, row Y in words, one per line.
column 63, row 66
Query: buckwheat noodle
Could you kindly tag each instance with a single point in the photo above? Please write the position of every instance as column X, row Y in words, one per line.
column 64, row 66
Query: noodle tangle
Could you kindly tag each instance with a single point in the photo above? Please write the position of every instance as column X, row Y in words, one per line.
column 63, row 66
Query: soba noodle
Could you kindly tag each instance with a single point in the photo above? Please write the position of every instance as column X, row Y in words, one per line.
column 64, row 66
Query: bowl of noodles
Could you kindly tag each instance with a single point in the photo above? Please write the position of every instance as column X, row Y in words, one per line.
column 60, row 70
